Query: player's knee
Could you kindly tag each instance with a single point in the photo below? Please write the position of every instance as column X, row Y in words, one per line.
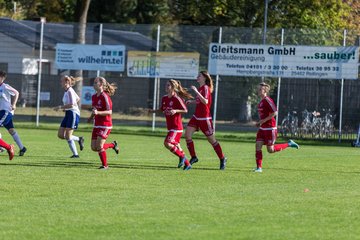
column 61, row 136
column 270, row 150
column 12, row 131
column 168, row 145
column 188, row 136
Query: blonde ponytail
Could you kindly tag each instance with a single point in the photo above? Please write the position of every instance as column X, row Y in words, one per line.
column 109, row 88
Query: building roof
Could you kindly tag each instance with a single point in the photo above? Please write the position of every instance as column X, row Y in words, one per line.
column 28, row 32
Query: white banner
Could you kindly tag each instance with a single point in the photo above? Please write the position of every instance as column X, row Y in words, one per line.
column 283, row 61
column 90, row 57
column 178, row 65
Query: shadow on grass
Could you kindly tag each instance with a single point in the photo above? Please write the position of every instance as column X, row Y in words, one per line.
column 94, row 165
column 313, row 170
column 82, row 164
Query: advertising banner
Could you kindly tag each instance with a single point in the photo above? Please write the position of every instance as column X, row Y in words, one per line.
column 178, row 65
column 86, row 94
column 90, row 57
column 284, row 61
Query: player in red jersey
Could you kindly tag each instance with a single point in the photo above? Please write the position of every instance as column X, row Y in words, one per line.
column 173, row 106
column 101, row 115
column 202, row 118
column 267, row 132
column 9, row 148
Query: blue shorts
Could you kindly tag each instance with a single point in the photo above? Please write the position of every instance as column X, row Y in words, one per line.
column 71, row 120
column 6, row 119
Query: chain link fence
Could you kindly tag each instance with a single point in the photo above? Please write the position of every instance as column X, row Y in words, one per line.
column 237, row 100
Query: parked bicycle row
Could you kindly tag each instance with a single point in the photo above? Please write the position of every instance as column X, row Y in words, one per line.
column 313, row 124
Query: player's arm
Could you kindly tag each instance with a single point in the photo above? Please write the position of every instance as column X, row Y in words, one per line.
column 91, row 117
column 174, row 111
column 14, row 98
column 63, row 107
column 201, row 97
column 269, row 117
column 72, row 98
column 101, row 113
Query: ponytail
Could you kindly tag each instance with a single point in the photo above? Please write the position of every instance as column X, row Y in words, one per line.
column 109, row 88
column 208, row 80
column 181, row 91
column 72, row 80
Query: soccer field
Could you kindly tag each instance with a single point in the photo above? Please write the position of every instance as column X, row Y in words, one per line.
column 310, row 193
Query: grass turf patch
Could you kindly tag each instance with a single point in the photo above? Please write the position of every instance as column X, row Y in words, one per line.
column 47, row 195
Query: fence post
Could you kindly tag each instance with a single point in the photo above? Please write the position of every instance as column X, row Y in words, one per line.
column 216, row 87
column 342, row 93
column 156, row 82
column 279, row 84
column 42, row 20
column 100, row 43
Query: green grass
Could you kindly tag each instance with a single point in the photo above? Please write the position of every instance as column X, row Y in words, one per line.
column 47, row 195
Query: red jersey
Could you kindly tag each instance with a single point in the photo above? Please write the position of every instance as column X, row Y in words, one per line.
column 265, row 108
column 102, row 103
column 173, row 122
column 202, row 111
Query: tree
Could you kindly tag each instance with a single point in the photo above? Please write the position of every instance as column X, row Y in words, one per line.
column 80, row 16
column 130, row 11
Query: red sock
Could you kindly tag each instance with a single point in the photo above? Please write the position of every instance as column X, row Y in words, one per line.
column 175, row 150
column 4, row 144
column 190, row 145
column 218, row 150
column 258, row 156
column 102, row 155
column 280, row 146
column 108, row 145
column 187, row 163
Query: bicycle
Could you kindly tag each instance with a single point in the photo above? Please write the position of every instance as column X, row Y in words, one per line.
column 289, row 125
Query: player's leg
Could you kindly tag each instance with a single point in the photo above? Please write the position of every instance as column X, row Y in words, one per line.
column 69, row 138
column 74, row 123
column 208, row 130
column 61, row 133
column 258, row 152
column 258, row 155
column 190, row 129
column 114, row 145
column 171, row 142
column 18, row 141
column 272, row 147
column 102, row 152
column 9, row 125
column 9, row 148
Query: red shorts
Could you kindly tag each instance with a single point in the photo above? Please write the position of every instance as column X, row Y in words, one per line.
column 206, row 126
column 266, row 136
column 173, row 137
column 100, row 132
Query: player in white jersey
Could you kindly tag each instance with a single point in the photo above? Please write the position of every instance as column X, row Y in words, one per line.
column 8, row 100
column 72, row 115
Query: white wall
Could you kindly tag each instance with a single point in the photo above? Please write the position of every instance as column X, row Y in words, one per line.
column 22, row 58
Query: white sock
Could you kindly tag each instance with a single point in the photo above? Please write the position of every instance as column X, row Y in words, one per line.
column 75, row 138
column 17, row 140
column 72, row 147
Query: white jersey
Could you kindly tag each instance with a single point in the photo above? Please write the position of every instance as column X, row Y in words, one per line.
column 6, row 91
column 70, row 97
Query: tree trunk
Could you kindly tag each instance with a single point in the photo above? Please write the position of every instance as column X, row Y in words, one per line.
column 81, row 11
